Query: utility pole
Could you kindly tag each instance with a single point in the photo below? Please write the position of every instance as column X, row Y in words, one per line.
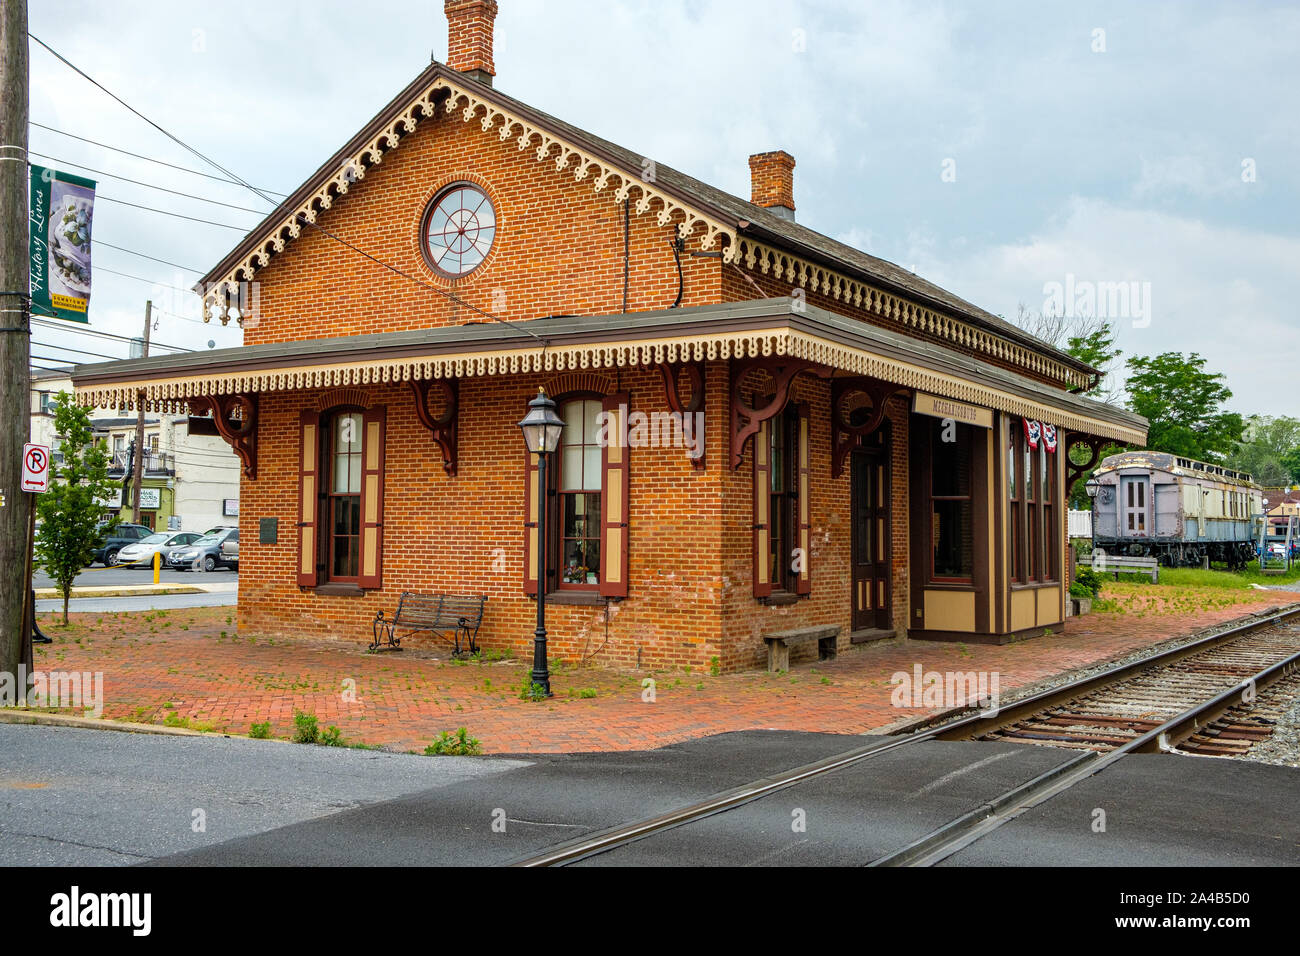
column 139, row 423
column 15, row 329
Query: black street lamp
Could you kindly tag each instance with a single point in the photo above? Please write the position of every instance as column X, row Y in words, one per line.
column 542, row 429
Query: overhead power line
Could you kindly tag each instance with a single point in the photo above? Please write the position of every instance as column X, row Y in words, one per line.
column 150, row 159
column 86, row 330
column 101, row 242
column 137, row 182
column 175, row 215
column 127, row 275
column 68, row 348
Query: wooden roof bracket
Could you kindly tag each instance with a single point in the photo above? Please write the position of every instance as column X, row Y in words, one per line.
column 239, row 433
column 695, row 376
column 746, row 421
column 1073, row 472
column 844, row 438
column 445, row 428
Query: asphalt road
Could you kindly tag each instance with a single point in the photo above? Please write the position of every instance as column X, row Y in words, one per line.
column 100, row 577
column 148, row 602
column 105, row 798
column 70, row 797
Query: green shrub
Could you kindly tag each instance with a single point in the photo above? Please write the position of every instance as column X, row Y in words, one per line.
column 305, row 729
column 260, row 731
column 1087, row 578
column 461, row 745
column 331, row 736
column 1081, row 591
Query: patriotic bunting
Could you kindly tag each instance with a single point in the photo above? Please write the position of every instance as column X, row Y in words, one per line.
column 1038, row 430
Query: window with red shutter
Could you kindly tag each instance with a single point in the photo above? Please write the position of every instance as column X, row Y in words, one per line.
column 803, row 505
column 308, row 496
column 531, row 543
column 370, row 570
column 615, row 465
column 762, row 511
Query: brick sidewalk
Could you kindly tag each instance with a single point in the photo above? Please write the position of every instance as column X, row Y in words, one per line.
column 191, row 664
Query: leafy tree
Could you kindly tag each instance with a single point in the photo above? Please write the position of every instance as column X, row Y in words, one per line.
column 71, row 527
column 1089, row 338
column 1184, row 405
column 1291, row 462
column 1269, row 449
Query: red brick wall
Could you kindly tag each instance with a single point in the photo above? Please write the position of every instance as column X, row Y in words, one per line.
column 465, row 534
column 559, row 248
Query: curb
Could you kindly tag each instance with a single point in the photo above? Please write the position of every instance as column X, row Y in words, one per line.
column 17, row 716
column 51, row 594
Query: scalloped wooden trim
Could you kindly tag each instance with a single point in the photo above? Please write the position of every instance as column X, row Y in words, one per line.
column 173, row 394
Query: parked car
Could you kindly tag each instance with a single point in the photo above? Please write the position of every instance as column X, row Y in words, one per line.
column 228, row 554
column 140, row 554
column 204, row 553
column 121, row 536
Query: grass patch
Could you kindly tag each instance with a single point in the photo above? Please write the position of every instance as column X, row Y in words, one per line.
column 260, row 731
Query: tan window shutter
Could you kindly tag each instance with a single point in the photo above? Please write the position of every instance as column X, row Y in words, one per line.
column 762, row 509
column 308, row 497
column 530, row 523
column 803, row 583
column 373, row 422
column 615, row 462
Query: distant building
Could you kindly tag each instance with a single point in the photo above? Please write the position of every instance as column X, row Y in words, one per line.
column 190, row 482
column 1282, row 501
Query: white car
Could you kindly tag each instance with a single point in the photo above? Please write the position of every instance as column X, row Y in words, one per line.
column 140, row 554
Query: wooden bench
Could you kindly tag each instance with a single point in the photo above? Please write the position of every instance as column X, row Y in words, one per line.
column 1104, row 563
column 450, row 616
column 780, row 642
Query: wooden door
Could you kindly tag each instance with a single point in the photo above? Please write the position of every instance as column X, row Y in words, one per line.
column 869, row 506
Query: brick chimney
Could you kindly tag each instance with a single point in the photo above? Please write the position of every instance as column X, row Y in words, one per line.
column 469, row 37
column 772, row 182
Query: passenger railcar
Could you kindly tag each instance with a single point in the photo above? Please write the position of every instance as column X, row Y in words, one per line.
column 1180, row 510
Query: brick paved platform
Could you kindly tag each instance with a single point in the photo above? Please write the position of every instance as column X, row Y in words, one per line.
column 190, row 663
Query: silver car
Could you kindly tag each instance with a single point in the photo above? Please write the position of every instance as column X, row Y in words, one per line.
column 140, row 554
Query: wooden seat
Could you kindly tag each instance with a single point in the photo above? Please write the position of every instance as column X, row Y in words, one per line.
column 780, row 642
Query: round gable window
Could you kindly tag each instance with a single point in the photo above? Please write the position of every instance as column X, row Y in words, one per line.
column 459, row 229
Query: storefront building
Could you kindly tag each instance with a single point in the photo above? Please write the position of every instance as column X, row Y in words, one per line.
column 765, row 429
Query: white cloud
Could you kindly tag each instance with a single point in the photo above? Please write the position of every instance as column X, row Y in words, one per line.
column 1226, row 292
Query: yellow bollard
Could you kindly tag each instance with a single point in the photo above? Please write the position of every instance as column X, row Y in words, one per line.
column 157, row 565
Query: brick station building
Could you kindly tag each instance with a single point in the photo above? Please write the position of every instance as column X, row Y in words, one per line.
column 765, row 429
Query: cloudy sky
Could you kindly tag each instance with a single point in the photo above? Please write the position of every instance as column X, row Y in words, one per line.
column 1006, row 150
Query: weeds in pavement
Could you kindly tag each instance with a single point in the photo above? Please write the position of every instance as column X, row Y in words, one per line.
column 305, row 728
column 459, row 745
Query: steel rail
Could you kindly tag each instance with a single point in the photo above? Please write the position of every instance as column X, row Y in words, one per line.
column 964, row 728
column 979, row 721
column 961, row 832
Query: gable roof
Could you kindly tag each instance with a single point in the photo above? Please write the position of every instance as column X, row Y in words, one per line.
column 746, row 224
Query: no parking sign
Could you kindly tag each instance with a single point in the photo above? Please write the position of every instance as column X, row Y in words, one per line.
column 36, row 468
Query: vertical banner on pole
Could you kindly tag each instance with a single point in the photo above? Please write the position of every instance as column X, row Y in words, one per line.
column 60, row 213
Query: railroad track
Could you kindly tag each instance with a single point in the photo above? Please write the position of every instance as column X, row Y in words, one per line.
column 1196, row 698
column 1119, row 712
